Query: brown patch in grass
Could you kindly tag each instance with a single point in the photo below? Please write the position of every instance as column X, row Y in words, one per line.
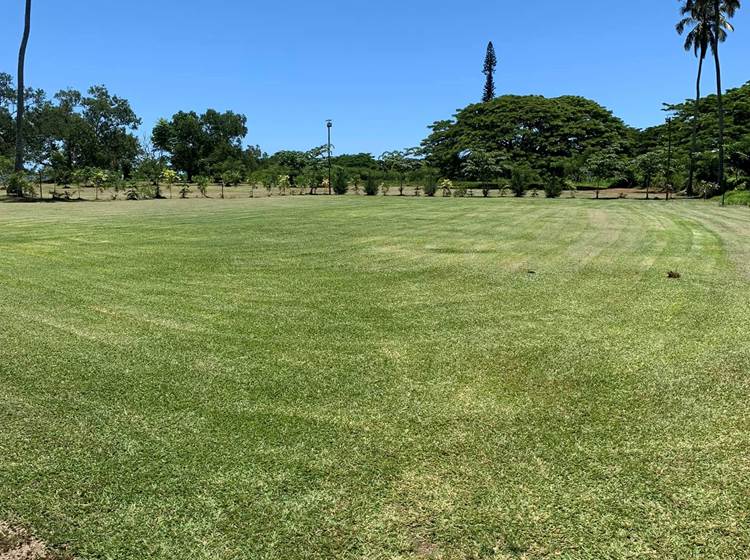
column 425, row 549
column 17, row 544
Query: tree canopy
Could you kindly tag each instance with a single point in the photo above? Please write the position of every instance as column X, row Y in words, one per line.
column 204, row 144
column 534, row 131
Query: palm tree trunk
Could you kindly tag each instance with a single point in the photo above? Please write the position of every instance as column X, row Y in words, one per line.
column 20, row 99
column 719, row 99
column 694, row 141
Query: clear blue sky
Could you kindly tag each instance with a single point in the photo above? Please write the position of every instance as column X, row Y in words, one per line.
column 382, row 70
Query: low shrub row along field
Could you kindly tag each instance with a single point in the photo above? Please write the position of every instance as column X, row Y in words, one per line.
column 446, row 189
column 316, row 378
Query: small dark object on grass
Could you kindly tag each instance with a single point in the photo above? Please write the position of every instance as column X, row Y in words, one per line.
column 674, row 275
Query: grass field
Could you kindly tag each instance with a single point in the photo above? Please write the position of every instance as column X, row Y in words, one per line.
column 319, row 378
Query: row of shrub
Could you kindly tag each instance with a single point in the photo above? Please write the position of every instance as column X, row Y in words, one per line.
column 522, row 181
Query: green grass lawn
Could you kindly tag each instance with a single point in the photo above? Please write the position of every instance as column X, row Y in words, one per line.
column 320, row 378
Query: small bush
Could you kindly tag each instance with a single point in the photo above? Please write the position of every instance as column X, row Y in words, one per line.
column 284, row 182
column 460, row 191
column 553, row 187
column 18, row 185
column 371, row 186
column 446, row 185
column 738, row 198
column 340, row 185
column 231, row 178
column 519, row 181
column 201, row 182
column 431, row 185
column 132, row 193
column 706, row 189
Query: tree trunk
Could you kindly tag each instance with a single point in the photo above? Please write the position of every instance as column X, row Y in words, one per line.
column 694, row 140
column 20, row 98
column 719, row 98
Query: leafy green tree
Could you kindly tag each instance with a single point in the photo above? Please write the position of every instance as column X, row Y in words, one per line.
column 482, row 167
column 230, row 178
column 604, row 166
column 100, row 179
column 111, row 120
column 81, row 177
column 648, row 166
column 706, row 159
column 490, row 63
column 150, row 168
column 532, row 131
column 202, row 144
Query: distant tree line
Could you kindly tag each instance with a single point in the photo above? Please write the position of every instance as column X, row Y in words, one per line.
column 73, row 137
column 515, row 142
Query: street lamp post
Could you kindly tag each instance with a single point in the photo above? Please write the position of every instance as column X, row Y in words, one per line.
column 329, row 125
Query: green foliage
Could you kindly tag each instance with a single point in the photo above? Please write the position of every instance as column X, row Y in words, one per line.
column 737, row 131
column 100, row 179
column 430, row 184
column 150, row 168
column 284, row 183
column 340, row 181
column 460, row 190
column 706, row 189
column 371, row 185
column 202, row 182
column 738, row 198
column 520, row 180
column 648, row 166
column 19, row 185
column 398, row 165
column 481, row 166
column 605, row 168
column 554, row 186
column 446, row 186
column 532, row 131
column 490, row 63
column 207, row 143
column 231, row 177
column 6, row 170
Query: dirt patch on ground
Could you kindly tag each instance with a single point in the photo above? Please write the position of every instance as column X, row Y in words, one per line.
column 17, row 544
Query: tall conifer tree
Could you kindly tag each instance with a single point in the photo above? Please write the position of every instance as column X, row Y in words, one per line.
column 490, row 63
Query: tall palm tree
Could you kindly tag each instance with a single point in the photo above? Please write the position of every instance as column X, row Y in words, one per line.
column 20, row 99
column 707, row 22
column 699, row 21
column 723, row 11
